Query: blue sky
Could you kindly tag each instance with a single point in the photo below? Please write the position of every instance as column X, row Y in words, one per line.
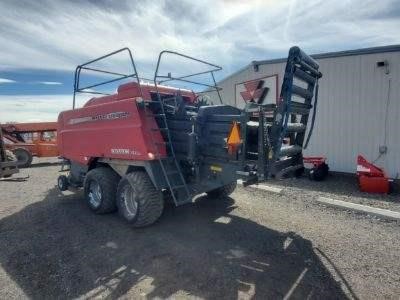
column 43, row 41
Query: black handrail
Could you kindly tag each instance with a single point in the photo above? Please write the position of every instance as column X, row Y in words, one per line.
column 168, row 77
column 77, row 76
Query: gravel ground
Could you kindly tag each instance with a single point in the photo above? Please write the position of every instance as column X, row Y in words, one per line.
column 254, row 244
column 339, row 187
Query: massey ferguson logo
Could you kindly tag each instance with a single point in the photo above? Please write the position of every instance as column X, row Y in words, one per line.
column 254, row 91
column 110, row 116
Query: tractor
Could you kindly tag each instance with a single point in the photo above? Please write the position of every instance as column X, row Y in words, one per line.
column 148, row 142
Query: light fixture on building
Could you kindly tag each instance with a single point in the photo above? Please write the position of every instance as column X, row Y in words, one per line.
column 255, row 67
column 383, row 64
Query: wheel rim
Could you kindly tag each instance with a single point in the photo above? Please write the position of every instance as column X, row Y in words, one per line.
column 60, row 183
column 94, row 194
column 22, row 157
column 129, row 200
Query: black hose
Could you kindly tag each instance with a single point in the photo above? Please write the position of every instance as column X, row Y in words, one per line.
column 313, row 117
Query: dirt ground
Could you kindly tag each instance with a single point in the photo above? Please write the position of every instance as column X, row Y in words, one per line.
column 253, row 244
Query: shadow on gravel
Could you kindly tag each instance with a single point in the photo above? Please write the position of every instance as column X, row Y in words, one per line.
column 57, row 248
column 45, row 164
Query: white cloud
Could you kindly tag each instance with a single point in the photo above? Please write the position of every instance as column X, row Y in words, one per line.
column 62, row 34
column 5, row 80
column 49, row 82
column 33, row 108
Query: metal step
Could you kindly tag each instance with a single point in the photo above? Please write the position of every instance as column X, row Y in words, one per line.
column 159, row 129
column 155, row 115
column 299, row 108
column 172, row 172
column 175, row 187
column 299, row 91
column 306, row 77
column 152, row 102
column 296, row 127
column 308, row 68
column 290, row 150
column 162, row 143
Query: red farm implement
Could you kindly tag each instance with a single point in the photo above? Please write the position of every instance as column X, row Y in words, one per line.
column 129, row 149
column 371, row 178
column 27, row 140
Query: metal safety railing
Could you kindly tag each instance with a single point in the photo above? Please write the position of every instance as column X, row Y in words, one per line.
column 159, row 79
column 87, row 67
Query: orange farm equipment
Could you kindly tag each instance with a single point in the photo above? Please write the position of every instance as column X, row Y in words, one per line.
column 27, row 140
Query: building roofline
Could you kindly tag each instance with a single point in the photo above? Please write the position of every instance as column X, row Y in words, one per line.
column 362, row 51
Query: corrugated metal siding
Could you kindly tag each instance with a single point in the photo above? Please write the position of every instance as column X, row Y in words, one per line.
column 352, row 108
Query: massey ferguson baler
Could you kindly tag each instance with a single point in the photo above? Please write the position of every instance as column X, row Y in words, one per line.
column 131, row 149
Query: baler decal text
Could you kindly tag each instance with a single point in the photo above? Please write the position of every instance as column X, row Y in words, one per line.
column 125, row 151
column 109, row 116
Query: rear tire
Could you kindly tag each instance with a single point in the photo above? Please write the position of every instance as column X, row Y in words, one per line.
column 223, row 191
column 100, row 189
column 138, row 201
column 62, row 183
column 24, row 157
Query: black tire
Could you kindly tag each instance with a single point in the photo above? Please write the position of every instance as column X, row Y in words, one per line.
column 319, row 173
column 138, row 201
column 62, row 183
column 223, row 191
column 24, row 157
column 106, row 180
column 299, row 172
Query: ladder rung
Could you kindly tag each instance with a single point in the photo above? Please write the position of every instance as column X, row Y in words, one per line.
column 155, row 115
column 168, row 159
column 162, row 143
column 310, row 69
column 300, row 108
column 299, row 73
column 172, row 172
column 175, row 187
column 296, row 127
column 290, row 150
column 159, row 129
column 153, row 102
column 301, row 92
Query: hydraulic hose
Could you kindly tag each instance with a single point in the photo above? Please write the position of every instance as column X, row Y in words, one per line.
column 313, row 117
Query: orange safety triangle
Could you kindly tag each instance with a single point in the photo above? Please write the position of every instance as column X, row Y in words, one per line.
column 234, row 135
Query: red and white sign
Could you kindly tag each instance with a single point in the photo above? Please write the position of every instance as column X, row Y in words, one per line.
column 261, row 90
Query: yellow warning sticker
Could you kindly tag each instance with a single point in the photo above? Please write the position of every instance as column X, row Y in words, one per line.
column 216, row 168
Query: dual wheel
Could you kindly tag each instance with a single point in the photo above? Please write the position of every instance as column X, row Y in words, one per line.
column 134, row 195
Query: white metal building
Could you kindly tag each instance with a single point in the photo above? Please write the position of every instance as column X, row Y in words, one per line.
column 358, row 107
